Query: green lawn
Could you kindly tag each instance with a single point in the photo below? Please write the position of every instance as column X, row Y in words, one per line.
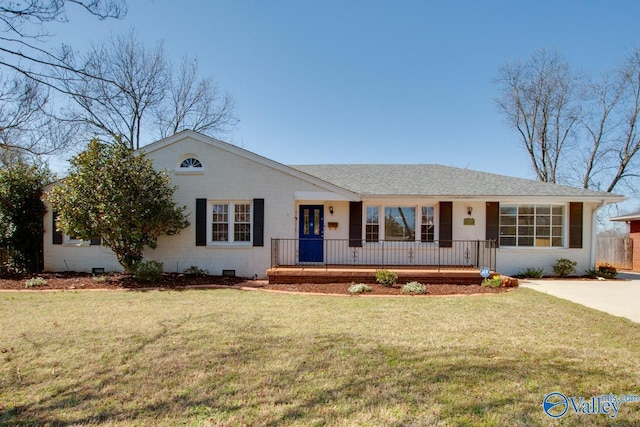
column 225, row 357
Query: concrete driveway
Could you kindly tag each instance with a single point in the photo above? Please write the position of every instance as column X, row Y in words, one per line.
column 617, row 297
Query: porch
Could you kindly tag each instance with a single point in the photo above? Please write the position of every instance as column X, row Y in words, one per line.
column 344, row 260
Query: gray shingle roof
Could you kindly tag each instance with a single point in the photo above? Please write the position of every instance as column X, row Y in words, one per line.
column 438, row 180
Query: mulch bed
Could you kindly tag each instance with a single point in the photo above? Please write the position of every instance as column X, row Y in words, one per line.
column 72, row 281
column 78, row 281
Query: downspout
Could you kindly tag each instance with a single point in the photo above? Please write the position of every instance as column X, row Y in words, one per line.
column 594, row 229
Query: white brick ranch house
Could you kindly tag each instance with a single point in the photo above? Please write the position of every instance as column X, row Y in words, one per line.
column 249, row 213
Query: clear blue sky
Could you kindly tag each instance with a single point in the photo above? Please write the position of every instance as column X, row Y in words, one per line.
column 373, row 81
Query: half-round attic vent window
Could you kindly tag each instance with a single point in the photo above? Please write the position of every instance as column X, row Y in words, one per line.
column 191, row 162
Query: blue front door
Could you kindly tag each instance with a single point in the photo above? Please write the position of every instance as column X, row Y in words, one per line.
column 311, row 233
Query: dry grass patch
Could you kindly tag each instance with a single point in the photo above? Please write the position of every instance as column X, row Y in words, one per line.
column 225, row 357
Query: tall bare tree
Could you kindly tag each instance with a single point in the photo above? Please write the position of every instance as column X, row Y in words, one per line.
column 627, row 140
column 539, row 99
column 131, row 92
column 194, row 103
column 577, row 129
column 124, row 82
column 598, row 128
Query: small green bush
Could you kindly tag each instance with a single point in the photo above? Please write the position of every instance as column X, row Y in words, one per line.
column 103, row 278
column 149, row 271
column 359, row 288
column 13, row 266
column 605, row 271
column 533, row 273
column 414, row 288
column 492, row 282
column 35, row 282
column 386, row 278
column 564, row 267
column 195, row 271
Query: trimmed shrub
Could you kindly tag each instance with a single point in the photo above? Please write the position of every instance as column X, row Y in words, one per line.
column 149, row 271
column 386, row 278
column 492, row 282
column 414, row 288
column 35, row 282
column 359, row 288
column 605, row 271
column 564, row 267
column 531, row 272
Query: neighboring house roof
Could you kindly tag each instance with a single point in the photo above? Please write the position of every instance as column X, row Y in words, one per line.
column 626, row 218
column 443, row 181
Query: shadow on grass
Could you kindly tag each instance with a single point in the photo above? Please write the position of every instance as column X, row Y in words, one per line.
column 265, row 379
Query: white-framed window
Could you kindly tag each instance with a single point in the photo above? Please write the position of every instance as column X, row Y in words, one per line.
column 242, row 222
column 189, row 165
column 190, row 162
column 532, row 225
column 230, row 222
column 400, row 223
column 427, row 225
column 74, row 240
column 372, row 227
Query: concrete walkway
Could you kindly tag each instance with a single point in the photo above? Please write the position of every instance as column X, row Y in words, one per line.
column 617, row 297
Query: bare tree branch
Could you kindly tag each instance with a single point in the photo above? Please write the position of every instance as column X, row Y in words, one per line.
column 135, row 92
column 26, row 17
column 28, row 125
column 195, row 104
column 587, row 136
column 124, row 81
column 538, row 100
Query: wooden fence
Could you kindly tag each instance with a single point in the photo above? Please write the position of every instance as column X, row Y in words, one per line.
column 615, row 251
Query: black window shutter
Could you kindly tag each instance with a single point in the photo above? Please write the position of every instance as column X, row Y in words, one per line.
column 355, row 224
column 201, row 222
column 575, row 224
column 446, row 224
column 493, row 222
column 258, row 222
column 57, row 235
